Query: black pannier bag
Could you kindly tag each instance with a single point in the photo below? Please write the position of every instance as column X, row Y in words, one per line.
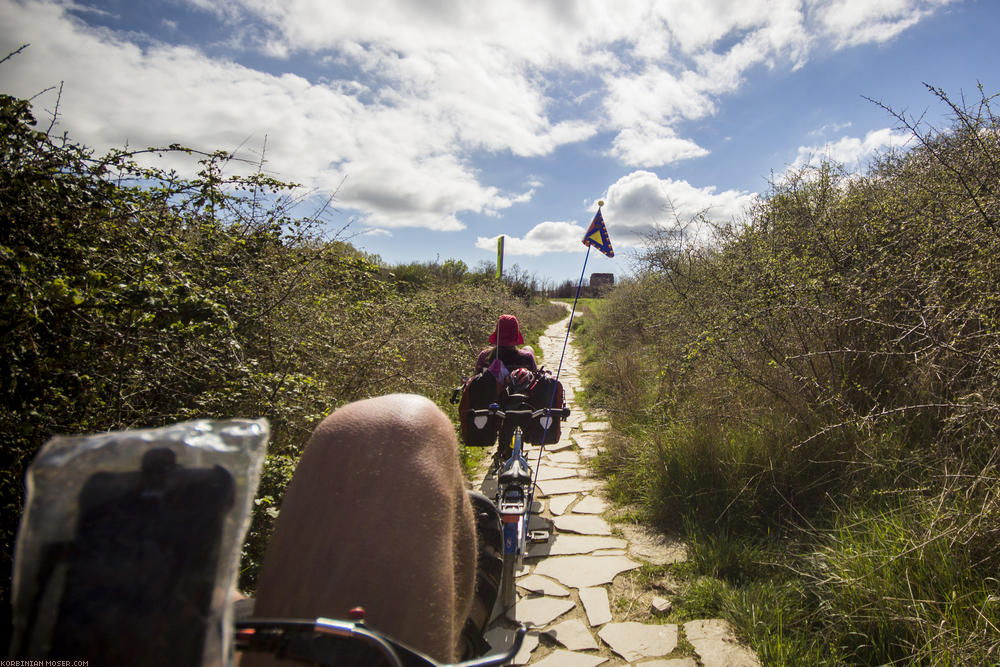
column 540, row 395
column 478, row 393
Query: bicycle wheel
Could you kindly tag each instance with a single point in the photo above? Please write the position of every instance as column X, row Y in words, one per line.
column 508, row 591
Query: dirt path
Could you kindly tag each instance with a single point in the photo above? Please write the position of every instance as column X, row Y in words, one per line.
column 597, row 592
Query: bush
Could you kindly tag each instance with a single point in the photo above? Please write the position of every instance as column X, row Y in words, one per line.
column 832, row 356
column 133, row 297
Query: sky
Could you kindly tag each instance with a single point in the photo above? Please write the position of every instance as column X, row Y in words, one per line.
column 438, row 125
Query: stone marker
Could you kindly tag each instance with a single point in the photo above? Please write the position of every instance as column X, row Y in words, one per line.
column 568, row 545
column 558, row 504
column 502, row 639
column 539, row 612
column 660, row 606
column 591, row 505
column 585, row 525
column 557, row 487
column 634, row 641
column 573, row 634
column 716, row 646
column 537, row 584
column 596, row 604
column 560, row 658
column 584, row 571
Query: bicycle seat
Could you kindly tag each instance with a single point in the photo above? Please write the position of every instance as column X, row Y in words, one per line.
column 515, row 472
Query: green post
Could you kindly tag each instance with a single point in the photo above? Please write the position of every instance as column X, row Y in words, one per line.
column 499, row 257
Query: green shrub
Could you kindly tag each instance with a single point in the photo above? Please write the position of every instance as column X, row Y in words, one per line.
column 826, row 374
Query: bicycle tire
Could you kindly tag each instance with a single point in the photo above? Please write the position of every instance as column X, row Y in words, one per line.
column 508, row 591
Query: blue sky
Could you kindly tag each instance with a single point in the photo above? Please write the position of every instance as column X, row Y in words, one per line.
column 441, row 124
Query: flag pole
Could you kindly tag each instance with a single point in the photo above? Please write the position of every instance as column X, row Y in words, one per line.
column 555, row 385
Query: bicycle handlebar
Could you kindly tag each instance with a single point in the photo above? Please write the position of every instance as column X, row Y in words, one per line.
column 503, row 414
column 326, row 641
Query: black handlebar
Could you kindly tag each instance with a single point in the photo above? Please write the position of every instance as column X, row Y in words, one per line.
column 345, row 644
column 562, row 413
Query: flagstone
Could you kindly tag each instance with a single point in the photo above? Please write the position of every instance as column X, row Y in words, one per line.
column 672, row 662
column 585, row 571
column 596, row 605
column 590, row 427
column 588, row 439
column 539, row 612
column 558, row 504
column 552, row 472
column 610, row 552
column 584, row 525
column 561, row 658
column 590, row 505
column 564, row 443
column 501, row 639
column 565, row 545
column 556, row 487
column 634, row 641
column 563, row 457
column 573, row 634
column 537, row 584
column 716, row 645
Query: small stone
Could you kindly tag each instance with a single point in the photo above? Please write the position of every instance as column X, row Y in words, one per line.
column 591, row 505
column 539, row 612
column 558, row 504
column 573, row 634
column 660, row 606
column 584, row 525
column 561, row 658
column 537, row 584
column 596, row 604
column 633, row 641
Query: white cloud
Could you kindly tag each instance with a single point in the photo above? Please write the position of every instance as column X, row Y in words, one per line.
column 852, row 152
column 416, row 90
column 651, row 145
column 545, row 237
column 852, row 22
column 641, row 203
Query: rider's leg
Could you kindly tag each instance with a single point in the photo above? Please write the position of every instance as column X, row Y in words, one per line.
column 377, row 516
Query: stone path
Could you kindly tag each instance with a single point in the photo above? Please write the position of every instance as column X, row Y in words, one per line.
column 566, row 586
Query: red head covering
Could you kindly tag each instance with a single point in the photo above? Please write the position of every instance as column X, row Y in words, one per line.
column 508, row 332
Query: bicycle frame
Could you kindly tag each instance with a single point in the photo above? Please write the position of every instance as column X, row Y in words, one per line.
column 514, row 501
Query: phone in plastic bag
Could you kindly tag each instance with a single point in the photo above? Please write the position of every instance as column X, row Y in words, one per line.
column 143, row 575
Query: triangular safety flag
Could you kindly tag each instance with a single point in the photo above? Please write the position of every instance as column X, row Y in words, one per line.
column 597, row 235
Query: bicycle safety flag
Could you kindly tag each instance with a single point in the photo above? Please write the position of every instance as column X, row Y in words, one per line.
column 498, row 370
column 597, row 235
